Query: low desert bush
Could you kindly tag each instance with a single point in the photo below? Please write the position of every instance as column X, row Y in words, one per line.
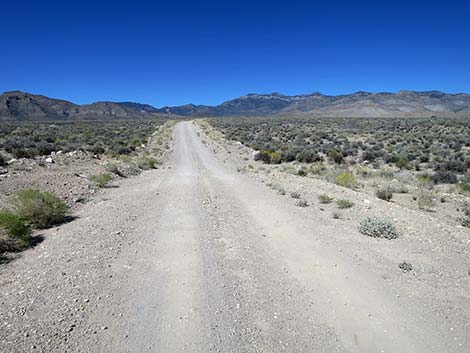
column 378, row 228
column 301, row 203
column 425, row 182
column 465, row 222
column 114, row 169
column 464, row 188
column 41, row 209
column 344, row 203
column 3, row 160
column 323, row 198
column 101, row 180
column 346, row 179
column 426, row 201
column 384, row 193
column 317, row 168
column 444, row 177
column 295, row 195
column 268, row 157
column 15, row 233
column 146, row 163
column 405, row 266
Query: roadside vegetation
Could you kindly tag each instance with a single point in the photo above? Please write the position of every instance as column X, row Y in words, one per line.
column 113, row 138
column 104, row 150
column 30, row 209
column 422, row 163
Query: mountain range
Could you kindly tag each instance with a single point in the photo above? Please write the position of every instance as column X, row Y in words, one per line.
column 25, row 106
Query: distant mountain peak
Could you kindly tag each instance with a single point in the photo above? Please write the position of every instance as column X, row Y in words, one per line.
column 358, row 104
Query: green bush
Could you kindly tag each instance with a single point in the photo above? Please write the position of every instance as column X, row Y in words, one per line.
column 378, row 228
column 323, row 198
column 384, row 193
column 41, row 209
column 101, row 179
column 146, row 163
column 14, row 226
column 344, row 203
column 346, row 179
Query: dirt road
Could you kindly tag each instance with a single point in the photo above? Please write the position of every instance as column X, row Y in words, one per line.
column 198, row 258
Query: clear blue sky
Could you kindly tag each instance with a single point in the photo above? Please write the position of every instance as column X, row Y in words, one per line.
column 204, row 52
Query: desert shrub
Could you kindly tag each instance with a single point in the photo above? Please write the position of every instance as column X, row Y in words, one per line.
column 268, row 157
column 425, row 201
column 405, row 266
column 101, row 180
column 346, row 179
column 384, row 193
column 344, row 203
column 295, row 195
column 317, row 168
column 262, row 156
column 40, row 208
column 13, row 226
column 397, row 187
column 378, row 228
column 425, row 182
column 145, row 163
column 444, row 177
column 30, row 139
column 301, row 203
column 301, row 172
column 335, row 156
column 323, row 198
column 466, row 209
column 114, row 168
column 465, row 222
column 3, row 160
column 464, row 187
column 308, row 156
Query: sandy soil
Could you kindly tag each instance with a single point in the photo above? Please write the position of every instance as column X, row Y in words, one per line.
column 203, row 256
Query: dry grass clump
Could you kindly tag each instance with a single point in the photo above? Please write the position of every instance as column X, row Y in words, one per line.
column 344, row 203
column 325, row 199
column 101, row 180
column 384, row 193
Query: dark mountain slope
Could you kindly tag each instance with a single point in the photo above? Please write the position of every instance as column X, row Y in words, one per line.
column 25, row 106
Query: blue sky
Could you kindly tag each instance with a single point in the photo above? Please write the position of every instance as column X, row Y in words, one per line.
column 204, row 52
